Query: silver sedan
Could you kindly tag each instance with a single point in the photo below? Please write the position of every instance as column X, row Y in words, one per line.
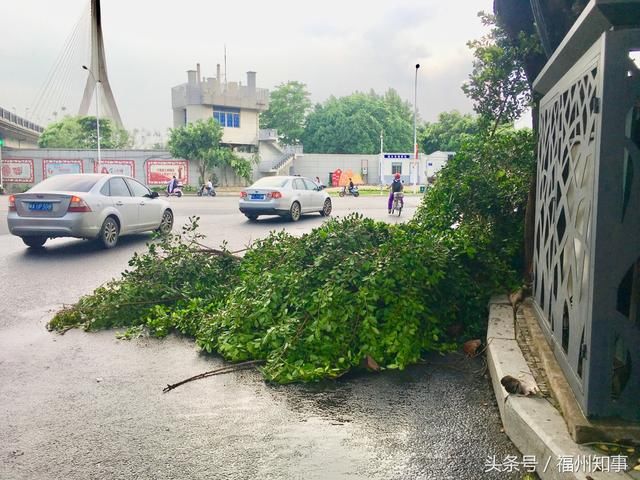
column 285, row 196
column 91, row 206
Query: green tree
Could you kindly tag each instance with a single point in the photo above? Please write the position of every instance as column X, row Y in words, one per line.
column 448, row 133
column 197, row 141
column 226, row 159
column 498, row 83
column 289, row 105
column 353, row 124
column 81, row 132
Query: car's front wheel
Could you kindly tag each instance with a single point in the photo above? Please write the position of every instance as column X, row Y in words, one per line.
column 326, row 208
column 34, row 242
column 295, row 211
column 166, row 224
column 109, row 233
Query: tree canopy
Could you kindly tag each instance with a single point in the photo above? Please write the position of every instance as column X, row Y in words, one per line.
column 498, row 84
column 448, row 133
column 353, row 124
column 81, row 132
column 288, row 107
column 200, row 141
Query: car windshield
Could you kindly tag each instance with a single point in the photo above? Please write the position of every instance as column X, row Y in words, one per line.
column 63, row 183
column 270, row 182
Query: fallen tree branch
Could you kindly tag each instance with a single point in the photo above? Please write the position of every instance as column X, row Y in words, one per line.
column 217, row 371
column 214, row 251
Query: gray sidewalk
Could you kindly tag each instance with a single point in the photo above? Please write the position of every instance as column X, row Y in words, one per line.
column 532, row 423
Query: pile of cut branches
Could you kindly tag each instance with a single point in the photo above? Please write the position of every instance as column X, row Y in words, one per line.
column 354, row 289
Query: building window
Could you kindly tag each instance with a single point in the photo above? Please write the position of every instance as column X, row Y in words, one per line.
column 227, row 117
column 396, row 167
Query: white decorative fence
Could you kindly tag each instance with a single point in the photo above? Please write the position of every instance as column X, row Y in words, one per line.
column 587, row 233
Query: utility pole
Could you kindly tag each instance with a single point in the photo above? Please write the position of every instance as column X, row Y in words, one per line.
column 415, row 135
column 97, row 84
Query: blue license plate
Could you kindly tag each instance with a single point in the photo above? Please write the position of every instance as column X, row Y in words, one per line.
column 40, row 206
column 257, row 196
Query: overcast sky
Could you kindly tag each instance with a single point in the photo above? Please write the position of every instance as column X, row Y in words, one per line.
column 335, row 47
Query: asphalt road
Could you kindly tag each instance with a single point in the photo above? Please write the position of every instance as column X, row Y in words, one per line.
column 89, row 406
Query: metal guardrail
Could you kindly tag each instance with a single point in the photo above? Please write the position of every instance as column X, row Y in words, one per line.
column 268, row 134
column 280, row 162
column 293, row 149
column 17, row 120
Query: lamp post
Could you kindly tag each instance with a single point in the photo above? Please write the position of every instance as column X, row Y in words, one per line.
column 415, row 135
column 97, row 82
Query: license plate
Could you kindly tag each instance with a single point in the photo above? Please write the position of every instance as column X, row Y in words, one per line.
column 257, row 196
column 40, row 206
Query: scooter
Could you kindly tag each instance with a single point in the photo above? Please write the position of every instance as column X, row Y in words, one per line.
column 202, row 191
column 346, row 191
column 177, row 191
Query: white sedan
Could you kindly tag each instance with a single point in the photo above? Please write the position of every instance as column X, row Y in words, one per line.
column 285, row 196
column 91, row 206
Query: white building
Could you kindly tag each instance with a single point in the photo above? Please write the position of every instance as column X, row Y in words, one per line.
column 235, row 106
column 434, row 162
column 404, row 164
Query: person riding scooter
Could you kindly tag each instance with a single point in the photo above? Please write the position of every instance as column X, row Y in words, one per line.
column 207, row 189
column 396, row 186
column 173, row 183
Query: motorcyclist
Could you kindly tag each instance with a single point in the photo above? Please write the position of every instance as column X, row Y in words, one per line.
column 209, row 187
column 396, row 186
column 351, row 186
column 173, row 183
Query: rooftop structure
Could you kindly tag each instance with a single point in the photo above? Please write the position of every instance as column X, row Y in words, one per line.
column 235, row 106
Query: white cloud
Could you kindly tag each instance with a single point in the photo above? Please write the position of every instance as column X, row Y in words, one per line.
column 335, row 47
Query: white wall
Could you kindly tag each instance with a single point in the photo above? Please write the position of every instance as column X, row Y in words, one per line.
column 247, row 134
column 319, row 165
column 434, row 162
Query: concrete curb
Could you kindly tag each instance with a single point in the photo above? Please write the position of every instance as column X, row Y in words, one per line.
column 532, row 423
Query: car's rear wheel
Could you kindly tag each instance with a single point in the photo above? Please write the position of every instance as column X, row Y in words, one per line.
column 34, row 242
column 294, row 212
column 326, row 208
column 166, row 224
column 109, row 233
column 251, row 217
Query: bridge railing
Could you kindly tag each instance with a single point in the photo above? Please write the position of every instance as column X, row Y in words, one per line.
column 16, row 119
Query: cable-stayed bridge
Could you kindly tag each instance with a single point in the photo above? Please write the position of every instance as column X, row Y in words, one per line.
column 78, row 82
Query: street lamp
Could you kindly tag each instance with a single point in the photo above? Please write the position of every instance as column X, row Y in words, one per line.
column 97, row 82
column 415, row 136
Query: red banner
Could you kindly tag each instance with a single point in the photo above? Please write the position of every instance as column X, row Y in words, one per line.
column 17, row 170
column 54, row 166
column 160, row 172
column 117, row 167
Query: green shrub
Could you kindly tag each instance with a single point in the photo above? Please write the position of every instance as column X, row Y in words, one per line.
column 316, row 306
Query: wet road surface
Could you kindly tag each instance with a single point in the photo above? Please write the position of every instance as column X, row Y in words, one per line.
column 90, row 406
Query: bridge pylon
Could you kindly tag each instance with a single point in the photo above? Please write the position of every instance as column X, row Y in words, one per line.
column 98, row 66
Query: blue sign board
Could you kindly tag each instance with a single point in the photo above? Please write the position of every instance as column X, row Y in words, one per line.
column 397, row 155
